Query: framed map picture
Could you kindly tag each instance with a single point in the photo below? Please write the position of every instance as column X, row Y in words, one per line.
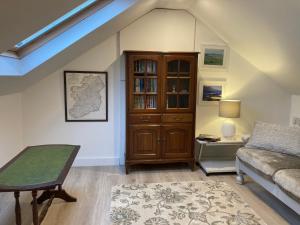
column 85, row 96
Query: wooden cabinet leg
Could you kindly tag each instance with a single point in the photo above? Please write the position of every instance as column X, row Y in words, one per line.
column 18, row 208
column 35, row 213
column 192, row 165
column 126, row 169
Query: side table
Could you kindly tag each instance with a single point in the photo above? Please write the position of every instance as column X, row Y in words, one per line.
column 217, row 157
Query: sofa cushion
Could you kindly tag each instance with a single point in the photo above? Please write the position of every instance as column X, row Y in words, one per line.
column 267, row 163
column 276, row 138
column 289, row 181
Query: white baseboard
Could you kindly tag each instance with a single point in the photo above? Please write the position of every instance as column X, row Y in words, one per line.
column 87, row 161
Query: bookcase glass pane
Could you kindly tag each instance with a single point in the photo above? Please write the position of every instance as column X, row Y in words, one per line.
column 152, row 67
column 172, row 101
column 172, row 85
column 173, row 66
column 151, row 101
column 184, row 66
column 184, row 86
column 139, row 102
column 139, row 66
column 138, row 85
column 183, row 101
column 151, row 85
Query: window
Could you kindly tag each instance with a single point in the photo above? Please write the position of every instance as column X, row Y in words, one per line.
column 54, row 24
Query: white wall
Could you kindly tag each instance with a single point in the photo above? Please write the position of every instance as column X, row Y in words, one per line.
column 161, row 30
column 178, row 30
column 10, row 126
column 44, row 120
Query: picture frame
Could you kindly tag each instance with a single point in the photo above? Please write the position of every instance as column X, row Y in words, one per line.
column 211, row 91
column 214, row 57
column 86, row 96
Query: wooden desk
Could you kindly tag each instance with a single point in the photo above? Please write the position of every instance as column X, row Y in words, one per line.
column 38, row 168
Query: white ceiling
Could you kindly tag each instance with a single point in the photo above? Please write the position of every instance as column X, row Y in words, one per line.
column 265, row 32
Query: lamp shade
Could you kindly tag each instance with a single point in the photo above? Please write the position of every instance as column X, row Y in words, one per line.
column 229, row 108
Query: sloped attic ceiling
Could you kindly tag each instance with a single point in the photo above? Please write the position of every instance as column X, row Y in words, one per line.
column 265, row 32
column 20, row 19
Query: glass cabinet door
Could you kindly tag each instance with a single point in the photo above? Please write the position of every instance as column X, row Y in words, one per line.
column 144, row 91
column 178, row 84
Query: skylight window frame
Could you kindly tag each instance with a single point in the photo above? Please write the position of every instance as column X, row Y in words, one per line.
column 56, row 30
column 55, row 23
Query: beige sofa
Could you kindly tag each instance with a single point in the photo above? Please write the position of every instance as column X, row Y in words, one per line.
column 275, row 168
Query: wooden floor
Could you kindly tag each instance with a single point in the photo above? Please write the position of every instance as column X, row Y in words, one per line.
column 92, row 185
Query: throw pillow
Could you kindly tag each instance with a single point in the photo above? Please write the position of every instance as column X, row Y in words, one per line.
column 276, row 138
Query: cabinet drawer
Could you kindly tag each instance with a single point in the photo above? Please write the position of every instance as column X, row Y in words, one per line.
column 177, row 118
column 144, row 118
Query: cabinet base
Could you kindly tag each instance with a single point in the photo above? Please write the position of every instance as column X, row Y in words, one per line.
column 128, row 164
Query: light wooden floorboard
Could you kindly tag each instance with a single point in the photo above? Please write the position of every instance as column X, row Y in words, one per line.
column 92, row 187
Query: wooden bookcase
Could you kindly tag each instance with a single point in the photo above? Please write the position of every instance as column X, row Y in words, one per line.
column 161, row 98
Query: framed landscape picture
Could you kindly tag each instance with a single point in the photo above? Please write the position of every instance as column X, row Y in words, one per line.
column 211, row 92
column 85, row 96
column 214, row 56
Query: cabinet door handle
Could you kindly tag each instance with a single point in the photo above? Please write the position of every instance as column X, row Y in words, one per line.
column 178, row 118
column 145, row 118
column 158, row 140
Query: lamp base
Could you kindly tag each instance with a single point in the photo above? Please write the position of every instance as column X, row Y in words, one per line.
column 228, row 130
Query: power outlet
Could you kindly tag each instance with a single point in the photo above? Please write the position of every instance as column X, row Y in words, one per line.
column 296, row 121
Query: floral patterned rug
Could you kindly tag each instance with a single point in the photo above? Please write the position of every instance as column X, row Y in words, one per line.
column 185, row 203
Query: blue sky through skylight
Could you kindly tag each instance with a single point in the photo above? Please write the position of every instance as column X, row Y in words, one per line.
column 55, row 23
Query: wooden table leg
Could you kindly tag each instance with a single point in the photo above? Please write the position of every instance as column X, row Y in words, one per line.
column 45, row 209
column 18, row 208
column 35, row 213
column 60, row 193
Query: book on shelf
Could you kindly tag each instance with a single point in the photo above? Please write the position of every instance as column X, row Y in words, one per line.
column 151, row 85
column 151, row 102
column 151, row 67
column 139, row 102
column 142, row 66
column 139, row 66
column 139, row 85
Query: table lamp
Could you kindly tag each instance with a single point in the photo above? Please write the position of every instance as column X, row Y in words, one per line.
column 229, row 109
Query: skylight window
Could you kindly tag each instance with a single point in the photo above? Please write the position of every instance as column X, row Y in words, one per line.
column 55, row 23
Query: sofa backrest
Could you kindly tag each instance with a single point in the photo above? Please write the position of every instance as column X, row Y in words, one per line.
column 274, row 137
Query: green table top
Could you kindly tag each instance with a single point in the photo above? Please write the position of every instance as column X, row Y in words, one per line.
column 37, row 165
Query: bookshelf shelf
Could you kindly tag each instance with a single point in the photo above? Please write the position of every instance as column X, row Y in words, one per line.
column 145, row 77
column 178, row 73
column 145, row 93
column 178, row 93
column 177, row 77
